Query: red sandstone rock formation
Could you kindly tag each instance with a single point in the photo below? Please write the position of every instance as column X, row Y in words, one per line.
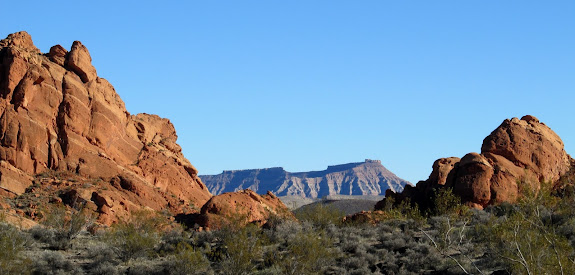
column 241, row 208
column 516, row 156
column 56, row 114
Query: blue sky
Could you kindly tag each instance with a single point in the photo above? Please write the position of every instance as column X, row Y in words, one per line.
column 307, row 84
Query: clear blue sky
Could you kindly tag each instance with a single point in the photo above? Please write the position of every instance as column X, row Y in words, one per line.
column 307, row 84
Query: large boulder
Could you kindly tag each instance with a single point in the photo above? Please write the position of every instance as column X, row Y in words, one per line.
column 241, row 208
column 514, row 158
column 57, row 115
column 531, row 145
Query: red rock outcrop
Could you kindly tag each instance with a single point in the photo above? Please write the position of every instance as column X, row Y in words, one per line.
column 516, row 156
column 56, row 114
column 241, row 208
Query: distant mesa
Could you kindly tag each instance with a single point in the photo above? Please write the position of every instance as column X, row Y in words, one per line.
column 361, row 178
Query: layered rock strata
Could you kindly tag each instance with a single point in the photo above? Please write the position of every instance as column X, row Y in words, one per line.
column 56, row 114
column 362, row 178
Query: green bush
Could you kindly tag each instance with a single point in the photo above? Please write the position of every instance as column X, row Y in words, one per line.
column 241, row 249
column 188, row 260
column 12, row 243
column 136, row 237
column 445, row 202
column 405, row 210
column 60, row 226
column 527, row 246
column 53, row 262
column 103, row 259
column 533, row 237
column 310, row 252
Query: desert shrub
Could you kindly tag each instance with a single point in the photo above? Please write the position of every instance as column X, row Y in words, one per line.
column 320, row 215
column 451, row 239
column 129, row 243
column 529, row 246
column 54, row 238
column 531, row 236
column 405, row 210
column 445, row 202
column 188, row 260
column 274, row 220
column 171, row 239
column 287, row 230
column 353, row 239
column 12, row 244
column 273, row 270
column 104, row 268
column 310, row 252
column 53, row 262
column 136, row 237
column 404, row 250
column 103, row 259
column 147, row 267
column 358, row 260
column 202, row 239
column 241, row 249
column 567, row 229
column 352, row 245
column 420, row 256
column 502, row 209
column 60, row 226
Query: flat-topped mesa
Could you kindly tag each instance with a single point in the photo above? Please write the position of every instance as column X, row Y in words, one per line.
column 271, row 169
column 56, row 114
column 516, row 156
column 358, row 178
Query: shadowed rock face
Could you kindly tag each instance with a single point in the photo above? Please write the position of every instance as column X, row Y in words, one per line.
column 362, row 178
column 518, row 155
column 56, row 114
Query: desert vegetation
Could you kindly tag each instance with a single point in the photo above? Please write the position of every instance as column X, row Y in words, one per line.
column 533, row 236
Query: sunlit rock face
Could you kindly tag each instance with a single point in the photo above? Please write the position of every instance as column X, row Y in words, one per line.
column 515, row 157
column 56, row 114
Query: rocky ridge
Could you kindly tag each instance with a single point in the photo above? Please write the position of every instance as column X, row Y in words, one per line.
column 56, row 114
column 361, row 178
column 66, row 138
column 516, row 157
